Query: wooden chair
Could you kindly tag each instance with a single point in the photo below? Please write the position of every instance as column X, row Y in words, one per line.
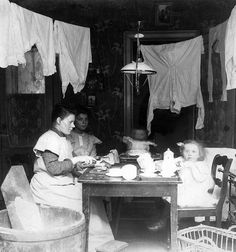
column 216, row 211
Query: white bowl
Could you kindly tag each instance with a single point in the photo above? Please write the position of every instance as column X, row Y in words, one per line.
column 129, row 171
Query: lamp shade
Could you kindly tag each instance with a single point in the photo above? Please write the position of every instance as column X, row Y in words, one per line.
column 142, row 68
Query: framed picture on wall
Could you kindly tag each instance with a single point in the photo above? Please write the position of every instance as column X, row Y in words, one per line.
column 163, row 13
column 91, row 100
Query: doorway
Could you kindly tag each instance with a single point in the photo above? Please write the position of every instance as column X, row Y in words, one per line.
column 165, row 123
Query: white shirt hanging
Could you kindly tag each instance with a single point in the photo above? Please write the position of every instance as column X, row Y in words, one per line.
column 11, row 44
column 37, row 29
column 230, row 51
column 73, row 46
column 177, row 82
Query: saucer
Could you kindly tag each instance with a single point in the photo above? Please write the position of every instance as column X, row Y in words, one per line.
column 149, row 175
column 110, row 174
column 164, row 175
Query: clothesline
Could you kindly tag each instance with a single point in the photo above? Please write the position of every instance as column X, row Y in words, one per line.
column 21, row 29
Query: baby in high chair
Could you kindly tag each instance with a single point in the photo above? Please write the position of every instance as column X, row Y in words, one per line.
column 138, row 142
column 197, row 184
column 195, row 175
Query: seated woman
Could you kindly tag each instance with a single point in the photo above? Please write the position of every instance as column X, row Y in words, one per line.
column 82, row 142
column 53, row 183
column 197, row 183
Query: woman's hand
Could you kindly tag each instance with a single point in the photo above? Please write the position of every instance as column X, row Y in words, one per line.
column 87, row 159
column 84, row 159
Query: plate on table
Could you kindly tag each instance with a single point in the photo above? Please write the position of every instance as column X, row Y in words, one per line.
column 149, row 175
column 114, row 172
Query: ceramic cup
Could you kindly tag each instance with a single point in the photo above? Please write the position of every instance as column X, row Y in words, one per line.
column 146, row 163
column 149, row 167
column 129, row 171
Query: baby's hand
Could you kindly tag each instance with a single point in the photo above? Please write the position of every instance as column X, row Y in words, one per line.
column 184, row 172
column 178, row 162
column 188, row 164
column 126, row 139
column 151, row 143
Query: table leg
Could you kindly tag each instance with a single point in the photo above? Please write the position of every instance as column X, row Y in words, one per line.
column 86, row 211
column 173, row 219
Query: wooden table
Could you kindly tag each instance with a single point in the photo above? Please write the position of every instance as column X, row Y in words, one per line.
column 98, row 184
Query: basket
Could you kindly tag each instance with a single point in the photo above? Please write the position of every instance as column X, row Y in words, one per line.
column 204, row 238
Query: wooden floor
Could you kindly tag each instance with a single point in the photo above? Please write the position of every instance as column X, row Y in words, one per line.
column 134, row 218
column 140, row 239
column 133, row 227
column 135, row 215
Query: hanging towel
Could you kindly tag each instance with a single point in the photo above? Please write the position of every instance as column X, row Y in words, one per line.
column 217, row 39
column 26, row 33
column 73, row 46
column 177, row 82
column 230, row 51
column 11, row 44
column 37, row 29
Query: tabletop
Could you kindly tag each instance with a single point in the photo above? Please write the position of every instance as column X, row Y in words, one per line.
column 96, row 176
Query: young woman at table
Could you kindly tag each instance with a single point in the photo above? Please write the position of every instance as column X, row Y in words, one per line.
column 53, row 183
column 82, row 142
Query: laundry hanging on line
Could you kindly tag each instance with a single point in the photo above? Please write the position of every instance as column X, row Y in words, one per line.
column 177, row 82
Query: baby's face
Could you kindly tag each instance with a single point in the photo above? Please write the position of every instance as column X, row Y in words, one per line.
column 191, row 152
column 139, row 134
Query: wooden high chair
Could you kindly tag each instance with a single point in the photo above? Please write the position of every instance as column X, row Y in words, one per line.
column 185, row 212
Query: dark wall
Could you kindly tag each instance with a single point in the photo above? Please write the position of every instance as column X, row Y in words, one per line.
column 104, row 84
column 105, row 80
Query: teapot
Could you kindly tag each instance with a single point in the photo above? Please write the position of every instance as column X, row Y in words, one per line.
column 168, row 167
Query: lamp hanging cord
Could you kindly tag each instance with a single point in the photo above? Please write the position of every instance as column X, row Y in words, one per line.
column 137, row 60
